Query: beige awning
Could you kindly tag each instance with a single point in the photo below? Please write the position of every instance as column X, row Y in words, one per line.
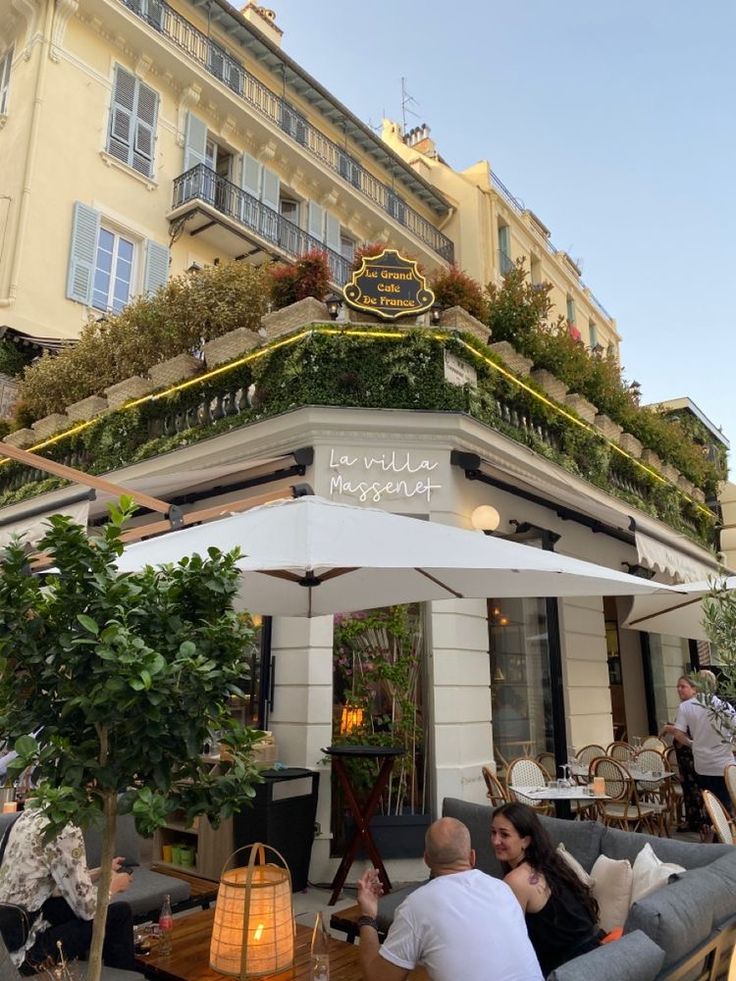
column 32, row 527
column 670, row 560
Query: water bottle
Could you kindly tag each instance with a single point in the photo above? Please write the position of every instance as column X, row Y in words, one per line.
column 320, row 950
column 165, row 925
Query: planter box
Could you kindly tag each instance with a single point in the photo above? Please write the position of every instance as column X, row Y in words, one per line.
column 610, row 429
column 22, row 438
column 301, row 314
column 651, row 459
column 512, row 359
column 125, row 391
column 698, row 495
column 395, row 835
column 686, row 485
column 230, row 346
column 552, row 385
column 671, row 473
column 585, row 409
column 631, row 444
column 87, row 408
column 457, row 318
column 43, row 428
column 174, row 370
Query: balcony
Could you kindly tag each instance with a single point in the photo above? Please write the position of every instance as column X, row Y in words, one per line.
column 225, row 215
column 219, row 63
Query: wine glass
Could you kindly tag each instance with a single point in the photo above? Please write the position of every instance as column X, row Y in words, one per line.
column 565, row 781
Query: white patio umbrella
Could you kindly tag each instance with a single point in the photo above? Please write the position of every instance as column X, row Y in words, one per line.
column 673, row 615
column 309, row 556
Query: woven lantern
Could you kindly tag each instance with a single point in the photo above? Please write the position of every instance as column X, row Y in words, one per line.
column 351, row 717
column 254, row 929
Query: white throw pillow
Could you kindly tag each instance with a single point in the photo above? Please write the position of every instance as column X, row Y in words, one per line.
column 650, row 873
column 574, row 865
column 612, row 881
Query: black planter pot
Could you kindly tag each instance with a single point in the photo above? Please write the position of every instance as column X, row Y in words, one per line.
column 395, row 835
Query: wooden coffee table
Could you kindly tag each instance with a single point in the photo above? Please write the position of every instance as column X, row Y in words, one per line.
column 189, row 959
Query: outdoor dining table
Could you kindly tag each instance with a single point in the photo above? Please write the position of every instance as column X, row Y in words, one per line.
column 561, row 796
column 646, row 776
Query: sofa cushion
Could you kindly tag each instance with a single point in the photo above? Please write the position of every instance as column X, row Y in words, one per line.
column 611, row 889
column 581, row 838
column 127, row 842
column 624, row 844
column 632, row 958
column 574, row 865
column 650, row 873
column 721, row 876
column 148, row 889
column 678, row 918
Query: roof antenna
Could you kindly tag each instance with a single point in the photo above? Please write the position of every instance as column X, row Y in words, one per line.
column 406, row 101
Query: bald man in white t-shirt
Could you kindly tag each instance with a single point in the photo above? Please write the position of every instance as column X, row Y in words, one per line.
column 462, row 924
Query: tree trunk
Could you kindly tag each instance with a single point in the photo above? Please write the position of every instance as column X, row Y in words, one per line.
column 110, row 810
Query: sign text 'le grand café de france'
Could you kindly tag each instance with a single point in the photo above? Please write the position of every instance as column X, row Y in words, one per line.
column 388, row 286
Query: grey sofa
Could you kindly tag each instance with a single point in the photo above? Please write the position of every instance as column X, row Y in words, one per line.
column 147, row 889
column 684, row 930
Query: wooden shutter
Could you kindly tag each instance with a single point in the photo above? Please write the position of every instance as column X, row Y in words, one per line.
column 145, row 130
column 195, row 141
column 332, row 232
column 270, row 189
column 121, row 115
column 156, row 266
column 316, row 223
column 82, row 253
column 250, row 175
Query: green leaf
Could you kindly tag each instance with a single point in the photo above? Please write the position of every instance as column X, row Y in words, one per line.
column 88, row 623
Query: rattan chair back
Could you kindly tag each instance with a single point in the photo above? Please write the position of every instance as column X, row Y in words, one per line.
column 496, row 793
column 719, row 818
column 619, row 750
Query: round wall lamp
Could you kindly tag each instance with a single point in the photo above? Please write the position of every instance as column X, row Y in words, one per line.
column 485, row 518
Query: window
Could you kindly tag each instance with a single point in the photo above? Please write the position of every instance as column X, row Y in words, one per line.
column 293, row 123
column 132, row 122
column 348, row 168
column 113, row 271
column 224, row 67
column 505, row 263
column 108, row 266
column 571, row 310
column 593, row 334
column 150, row 10
column 347, row 248
column 396, row 207
column 5, row 80
column 535, row 270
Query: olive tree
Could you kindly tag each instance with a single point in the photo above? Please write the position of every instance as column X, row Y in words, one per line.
column 126, row 674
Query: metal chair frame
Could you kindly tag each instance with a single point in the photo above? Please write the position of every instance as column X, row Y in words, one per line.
column 624, row 809
column 656, row 794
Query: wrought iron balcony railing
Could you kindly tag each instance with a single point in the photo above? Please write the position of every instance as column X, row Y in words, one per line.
column 202, row 183
column 229, row 70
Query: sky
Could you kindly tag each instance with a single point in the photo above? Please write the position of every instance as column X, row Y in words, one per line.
column 612, row 120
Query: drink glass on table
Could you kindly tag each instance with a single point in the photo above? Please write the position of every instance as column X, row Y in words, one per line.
column 320, row 950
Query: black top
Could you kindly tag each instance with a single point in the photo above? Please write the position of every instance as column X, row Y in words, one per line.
column 561, row 930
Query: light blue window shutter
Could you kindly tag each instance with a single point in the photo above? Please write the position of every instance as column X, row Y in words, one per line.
column 316, row 223
column 270, row 189
column 145, row 130
column 195, row 141
column 122, row 116
column 82, row 252
column 156, row 266
column 332, row 232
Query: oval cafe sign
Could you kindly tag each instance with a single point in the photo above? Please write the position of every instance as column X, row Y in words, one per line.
column 389, row 286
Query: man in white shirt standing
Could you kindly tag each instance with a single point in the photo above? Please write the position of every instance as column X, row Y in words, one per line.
column 461, row 924
column 696, row 726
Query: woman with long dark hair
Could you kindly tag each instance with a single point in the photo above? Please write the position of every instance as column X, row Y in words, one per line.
column 561, row 914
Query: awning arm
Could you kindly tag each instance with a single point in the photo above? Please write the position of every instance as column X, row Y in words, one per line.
column 171, row 511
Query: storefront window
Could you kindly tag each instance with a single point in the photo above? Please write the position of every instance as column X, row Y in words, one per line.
column 520, row 678
column 248, row 708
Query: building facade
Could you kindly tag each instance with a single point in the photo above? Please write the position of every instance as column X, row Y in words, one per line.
column 139, row 139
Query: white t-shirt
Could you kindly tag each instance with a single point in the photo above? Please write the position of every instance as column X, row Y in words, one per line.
column 464, row 925
column 710, row 753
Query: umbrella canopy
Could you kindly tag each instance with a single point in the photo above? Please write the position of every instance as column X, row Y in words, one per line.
column 309, row 556
column 674, row 616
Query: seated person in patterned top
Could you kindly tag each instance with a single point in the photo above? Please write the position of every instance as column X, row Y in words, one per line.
column 51, row 881
column 561, row 915
column 462, row 925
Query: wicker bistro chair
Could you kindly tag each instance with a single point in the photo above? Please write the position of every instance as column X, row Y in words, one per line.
column 620, row 751
column 588, row 753
column 655, row 793
column 526, row 772
column 654, row 742
column 496, row 793
column 729, row 775
column 719, row 818
column 677, row 797
column 547, row 761
column 624, row 810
